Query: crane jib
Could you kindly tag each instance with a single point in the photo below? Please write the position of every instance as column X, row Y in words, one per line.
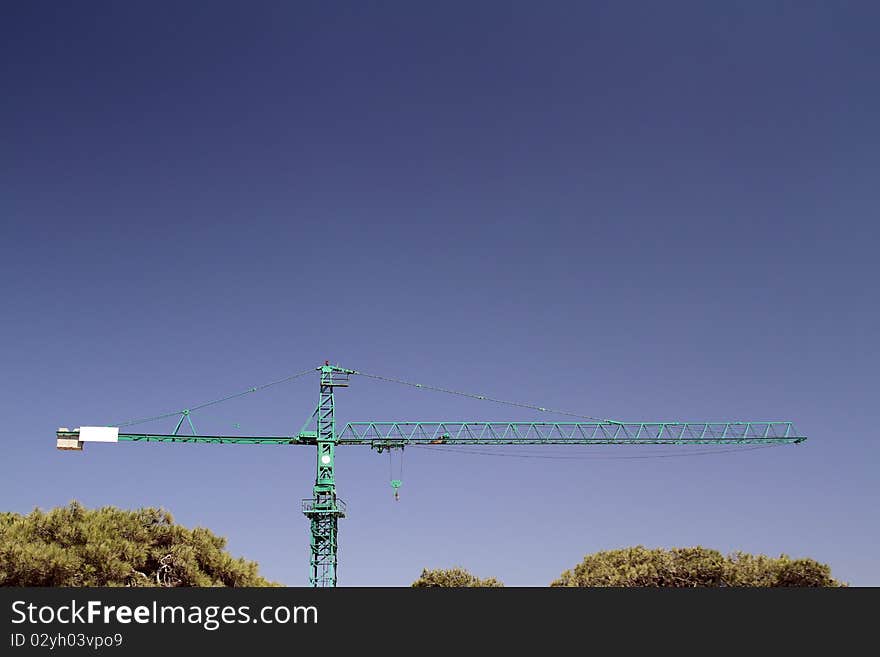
column 400, row 434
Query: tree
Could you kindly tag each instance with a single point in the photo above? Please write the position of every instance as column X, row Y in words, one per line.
column 75, row 546
column 693, row 567
column 453, row 577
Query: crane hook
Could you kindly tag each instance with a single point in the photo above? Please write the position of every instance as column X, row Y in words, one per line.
column 395, row 483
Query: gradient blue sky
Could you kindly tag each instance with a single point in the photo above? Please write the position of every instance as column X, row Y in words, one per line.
column 645, row 211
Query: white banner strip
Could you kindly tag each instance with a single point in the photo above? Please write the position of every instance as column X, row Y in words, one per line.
column 99, row 434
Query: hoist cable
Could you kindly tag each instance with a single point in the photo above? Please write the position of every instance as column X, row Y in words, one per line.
column 391, row 465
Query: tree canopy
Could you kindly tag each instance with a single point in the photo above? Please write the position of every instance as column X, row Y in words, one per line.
column 693, row 567
column 677, row 567
column 453, row 577
column 75, row 546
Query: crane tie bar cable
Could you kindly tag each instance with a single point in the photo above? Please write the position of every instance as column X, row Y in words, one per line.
column 485, row 398
column 216, row 401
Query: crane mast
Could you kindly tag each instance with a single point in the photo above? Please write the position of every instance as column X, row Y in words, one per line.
column 324, row 509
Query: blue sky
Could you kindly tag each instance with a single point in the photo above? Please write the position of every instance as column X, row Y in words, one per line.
column 616, row 208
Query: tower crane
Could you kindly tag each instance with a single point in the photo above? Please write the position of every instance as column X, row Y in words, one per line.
column 324, row 508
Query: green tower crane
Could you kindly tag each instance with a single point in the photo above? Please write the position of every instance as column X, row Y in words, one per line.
column 325, row 508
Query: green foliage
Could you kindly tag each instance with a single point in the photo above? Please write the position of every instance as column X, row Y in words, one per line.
column 453, row 577
column 75, row 546
column 693, row 567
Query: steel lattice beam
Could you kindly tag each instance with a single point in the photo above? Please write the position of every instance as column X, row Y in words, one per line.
column 382, row 434
column 567, row 433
